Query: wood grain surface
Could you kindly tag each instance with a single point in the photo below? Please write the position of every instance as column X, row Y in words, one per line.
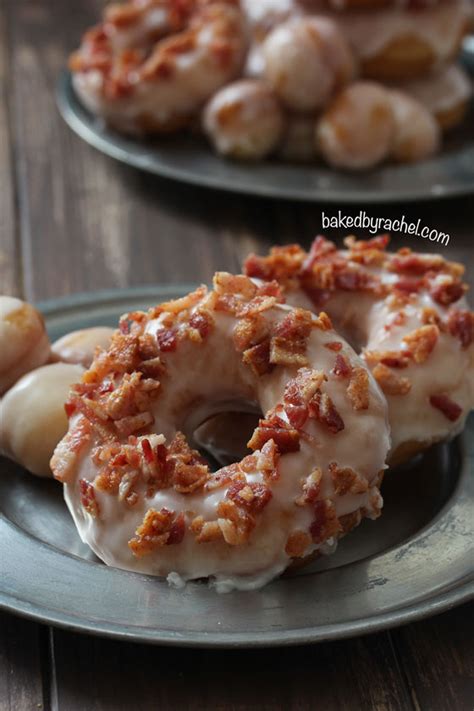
column 73, row 220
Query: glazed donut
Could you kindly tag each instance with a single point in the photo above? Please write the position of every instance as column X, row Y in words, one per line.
column 445, row 93
column 151, row 64
column 397, row 44
column 357, row 130
column 144, row 500
column 244, row 120
column 417, row 134
column 298, row 142
column 24, row 343
column 80, row 346
column 32, row 416
column 405, row 312
column 305, row 61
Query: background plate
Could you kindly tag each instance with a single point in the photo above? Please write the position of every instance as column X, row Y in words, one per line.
column 415, row 561
column 190, row 159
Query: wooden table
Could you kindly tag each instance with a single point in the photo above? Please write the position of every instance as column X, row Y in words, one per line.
column 73, row 220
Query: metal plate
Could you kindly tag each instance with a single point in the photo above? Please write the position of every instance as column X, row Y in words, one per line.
column 416, row 560
column 190, row 159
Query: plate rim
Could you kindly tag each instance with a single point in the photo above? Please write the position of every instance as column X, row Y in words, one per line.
column 420, row 609
column 70, row 109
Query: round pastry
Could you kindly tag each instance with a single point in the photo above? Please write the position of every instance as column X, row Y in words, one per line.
column 24, row 343
column 405, row 312
column 357, row 130
column 399, row 44
column 445, row 93
column 32, row 416
column 244, row 120
column 298, row 142
column 80, row 346
column 417, row 134
column 144, row 500
column 305, row 61
column 151, row 64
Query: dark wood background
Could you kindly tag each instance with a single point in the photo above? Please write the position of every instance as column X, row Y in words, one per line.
column 73, row 220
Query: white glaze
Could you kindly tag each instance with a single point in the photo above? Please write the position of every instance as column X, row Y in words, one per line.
column 441, row 91
column 80, row 346
column 417, row 134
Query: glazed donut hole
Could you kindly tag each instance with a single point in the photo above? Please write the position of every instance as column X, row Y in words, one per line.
column 357, row 130
column 244, row 120
column 417, row 134
column 24, row 343
column 80, row 346
column 305, row 61
column 32, row 415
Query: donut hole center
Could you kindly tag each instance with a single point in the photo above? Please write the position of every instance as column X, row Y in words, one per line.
column 222, row 438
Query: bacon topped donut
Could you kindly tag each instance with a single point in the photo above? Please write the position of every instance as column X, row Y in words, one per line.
column 144, row 499
column 405, row 312
column 151, row 64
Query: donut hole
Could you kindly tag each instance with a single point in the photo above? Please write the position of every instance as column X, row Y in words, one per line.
column 222, row 438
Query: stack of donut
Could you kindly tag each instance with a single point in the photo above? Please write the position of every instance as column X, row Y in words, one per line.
column 353, row 359
column 351, row 82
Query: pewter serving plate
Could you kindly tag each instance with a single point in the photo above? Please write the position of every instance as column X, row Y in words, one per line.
column 415, row 561
column 190, row 159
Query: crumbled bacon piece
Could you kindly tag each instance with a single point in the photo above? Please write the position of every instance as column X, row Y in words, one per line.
column 188, row 471
column 421, row 342
column 408, row 286
column 323, row 322
column 297, row 544
column 379, row 243
column 447, row 292
column 67, row 452
column 325, row 524
column 167, row 340
column 391, row 383
column 266, row 461
column 346, row 480
column 356, row 280
column 256, row 306
column 235, row 523
column 392, row 359
column 290, row 340
column 450, row 409
column 202, row 322
column 311, row 488
column 252, row 497
column 88, row 498
column 322, row 409
column 461, row 326
column 223, row 476
column 281, row 264
column 286, row 437
column 350, row 521
column 159, row 528
column 358, row 389
column 430, row 316
column 416, row 264
column 342, row 367
column 320, row 248
column 250, row 332
column 258, row 358
column 206, row 531
column 134, row 423
column 298, row 393
column 333, row 346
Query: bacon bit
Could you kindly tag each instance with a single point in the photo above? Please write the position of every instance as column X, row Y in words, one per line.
column 322, row 409
column 257, row 305
column 461, row 326
column 69, row 409
column 342, row 367
column 421, row 342
column 206, row 531
column 297, row 544
column 356, row 280
column 416, row 264
column 392, row 359
column 281, row 264
column 258, row 358
column 323, row 322
column 448, row 292
column 250, row 332
column 266, row 461
column 223, row 476
column 408, row 286
column 286, row 437
column 235, row 524
column 252, row 497
column 301, row 388
column 311, row 488
column 88, row 498
column 380, row 243
column 225, row 283
column 346, row 480
column 188, row 471
column 159, row 528
column 325, row 524
column 135, row 423
column 288, row 345
column 167, row 340
column 321, row 247
column 358, row 389
column 390, row 383
column 66, row 454
column 178, row 306
column 249, row 463
column 202, row 322
column 430, row 316
column 450, row 409
column 333, row 345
